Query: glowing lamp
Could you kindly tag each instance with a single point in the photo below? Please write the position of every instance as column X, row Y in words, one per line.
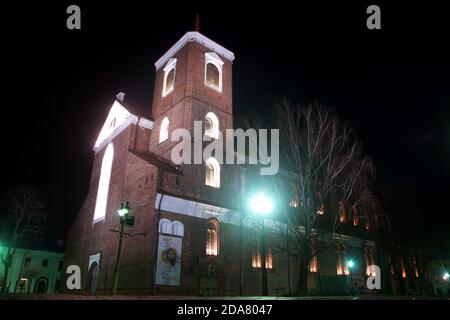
column 124, row 210
column 261, row 204
column 350, row 264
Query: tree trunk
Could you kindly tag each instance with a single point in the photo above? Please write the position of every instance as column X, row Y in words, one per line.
column 5, row 277
column 302, row 287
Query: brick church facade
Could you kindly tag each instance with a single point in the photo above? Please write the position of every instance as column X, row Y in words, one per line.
column 188, row 237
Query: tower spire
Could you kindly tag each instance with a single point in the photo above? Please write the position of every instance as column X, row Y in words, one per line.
column 197, row 22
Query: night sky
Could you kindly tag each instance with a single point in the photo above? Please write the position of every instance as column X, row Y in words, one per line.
column 392, row 84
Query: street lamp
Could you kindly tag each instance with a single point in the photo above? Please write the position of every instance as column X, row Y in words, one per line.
column 350, row 265
column 446, row 276
column 262, row 205
column 125, row 220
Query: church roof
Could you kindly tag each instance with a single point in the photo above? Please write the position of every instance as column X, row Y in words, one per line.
column 139, row 112
column 199, row 38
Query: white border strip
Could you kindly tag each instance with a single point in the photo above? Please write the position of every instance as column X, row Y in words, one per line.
column 199, row 38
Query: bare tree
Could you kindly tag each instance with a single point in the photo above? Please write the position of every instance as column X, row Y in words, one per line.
column 25, row 213
column 324, row 159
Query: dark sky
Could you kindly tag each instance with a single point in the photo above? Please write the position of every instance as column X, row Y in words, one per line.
column 392, row 84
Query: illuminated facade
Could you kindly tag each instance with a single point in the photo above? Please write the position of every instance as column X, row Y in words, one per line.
column 188, row 238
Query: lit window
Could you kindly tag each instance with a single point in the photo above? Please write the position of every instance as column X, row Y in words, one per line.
column 213, row 71
column 169, row 77
column 212, row 238
column 164, row 130
column 355, row 216
column 257, row 254
column 314, row 263
column 212, row 125
column 342, row 268
column 402, row 266
column 212, row 173
column 416, row 271
column 342, row 213
column 369, row 256
column 103, row 184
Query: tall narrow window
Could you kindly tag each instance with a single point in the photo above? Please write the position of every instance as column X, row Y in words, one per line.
column 369, row 256
column 416, row 270
column 212, row 238
column 213, row 71
column 211, row 125
column 164, row 130
column 402, row 266
column 314, row 262
column 342, row 267
column 103, row 184
column 212, row 173
column 257, row 254
column 355, row 216
column 342, row 213
column 169, row 77
column 212, row 75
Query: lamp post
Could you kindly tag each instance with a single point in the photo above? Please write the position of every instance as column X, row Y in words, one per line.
column 350, row 265
column 125, row 220
column 262, row 205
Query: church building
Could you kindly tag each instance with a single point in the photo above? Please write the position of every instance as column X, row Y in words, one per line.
column 188, row 236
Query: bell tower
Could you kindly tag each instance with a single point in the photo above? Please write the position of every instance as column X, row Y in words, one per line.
column 193, row 83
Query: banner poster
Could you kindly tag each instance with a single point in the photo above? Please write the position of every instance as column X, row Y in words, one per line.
column 169, row 260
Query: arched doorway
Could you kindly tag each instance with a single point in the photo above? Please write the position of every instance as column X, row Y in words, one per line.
column 92, row 279
column 41, row 285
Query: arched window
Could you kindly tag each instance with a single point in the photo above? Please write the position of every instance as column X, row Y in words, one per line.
column 103, row 184
column 164, row 130
column 177, row 229
column 165, row 226
column 213, row 71
column 212, row 238
column 212, row 173
column 169, row 77
column 212, row 125
column 212, row 75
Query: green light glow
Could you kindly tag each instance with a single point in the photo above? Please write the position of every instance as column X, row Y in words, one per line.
column 446, row 276
column 122, row 212
column 350, row 263
column 261, row 204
